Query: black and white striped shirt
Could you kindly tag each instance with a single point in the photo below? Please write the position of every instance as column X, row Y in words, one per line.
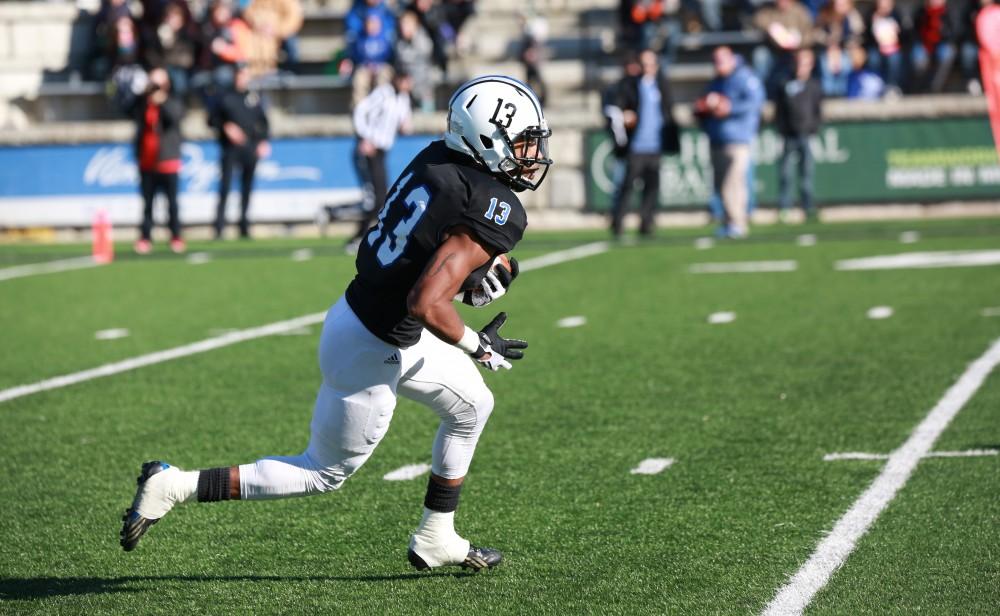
column 380, row 116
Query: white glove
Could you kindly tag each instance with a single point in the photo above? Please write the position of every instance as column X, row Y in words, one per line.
column 493, row 361
column 493, row 286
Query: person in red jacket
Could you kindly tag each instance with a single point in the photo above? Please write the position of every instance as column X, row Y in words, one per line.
column 158, row 152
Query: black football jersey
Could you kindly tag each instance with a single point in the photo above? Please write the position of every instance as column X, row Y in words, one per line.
column 440, row 189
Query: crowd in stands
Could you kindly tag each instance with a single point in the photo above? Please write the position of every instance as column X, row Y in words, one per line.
column 865, row 49
column 202, row 43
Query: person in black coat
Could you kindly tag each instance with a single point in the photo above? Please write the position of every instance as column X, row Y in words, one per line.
column 158, row 115
column 645, row 107
column 798, row 115
column 243, row 141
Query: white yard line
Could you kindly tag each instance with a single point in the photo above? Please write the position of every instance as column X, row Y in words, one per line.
column 149, row 359
column 830, row 554
column 922, row 260
column 227, row 339
column 743, row 267
column 48, row 267
column 562, row 256
column 858, row 455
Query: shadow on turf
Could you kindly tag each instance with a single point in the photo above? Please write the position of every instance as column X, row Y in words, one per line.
column 40, row 587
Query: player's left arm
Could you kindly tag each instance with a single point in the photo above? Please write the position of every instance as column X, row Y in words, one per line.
column 430, row 300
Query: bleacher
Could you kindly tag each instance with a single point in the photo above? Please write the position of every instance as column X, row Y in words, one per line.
column 43, row 46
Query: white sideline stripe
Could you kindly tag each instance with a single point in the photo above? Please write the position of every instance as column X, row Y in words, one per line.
column 407, row 473
column 858, row 455
column 202, row 346
column 991, row 312
column 562, row 256
column 920, row 260
column 743, row 267
column 652, row 466
column 831, row 553
column 48, row 267
column 234, row 337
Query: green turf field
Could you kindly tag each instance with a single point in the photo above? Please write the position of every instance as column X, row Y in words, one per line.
column 747, row 410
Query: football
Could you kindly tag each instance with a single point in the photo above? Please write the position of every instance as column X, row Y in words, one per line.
column 473, row 280
column 471, row 292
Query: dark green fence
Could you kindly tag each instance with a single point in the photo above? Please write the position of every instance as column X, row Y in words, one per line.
column 856, row 162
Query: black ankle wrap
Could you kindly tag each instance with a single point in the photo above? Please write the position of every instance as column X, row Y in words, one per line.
column 442, row 498
column 213, row 484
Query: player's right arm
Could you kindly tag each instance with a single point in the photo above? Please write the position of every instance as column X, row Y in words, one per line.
column 430, row 301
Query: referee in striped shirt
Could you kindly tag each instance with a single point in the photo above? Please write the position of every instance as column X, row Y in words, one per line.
column 378, row 118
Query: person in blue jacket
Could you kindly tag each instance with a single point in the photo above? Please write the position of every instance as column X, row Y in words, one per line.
column 730, row 115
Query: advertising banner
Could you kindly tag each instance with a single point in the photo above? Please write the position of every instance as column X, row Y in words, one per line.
column 63, row 185
column 856, row 162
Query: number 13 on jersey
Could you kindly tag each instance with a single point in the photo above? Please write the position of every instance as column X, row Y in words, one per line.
column 394, row 243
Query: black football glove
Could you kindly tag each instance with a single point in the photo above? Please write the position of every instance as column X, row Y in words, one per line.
column 494, row 350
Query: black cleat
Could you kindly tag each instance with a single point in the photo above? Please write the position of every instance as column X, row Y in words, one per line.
column 134, row 525
column 477, row 559
column 417, row 562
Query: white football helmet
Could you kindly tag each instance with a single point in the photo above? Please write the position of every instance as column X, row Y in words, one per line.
column 498, row 121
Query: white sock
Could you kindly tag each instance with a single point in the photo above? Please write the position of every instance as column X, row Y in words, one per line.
column 436, row 541
column 184, row 486
column 164, row 490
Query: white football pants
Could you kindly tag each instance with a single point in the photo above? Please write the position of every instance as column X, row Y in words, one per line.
column 362, row 375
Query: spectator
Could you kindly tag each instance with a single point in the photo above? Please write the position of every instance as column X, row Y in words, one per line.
column 797, row 114
column 709, row 12
column 243, row 141
column 432, row 19
column 275, row 24
column 863, row 83
column 535, row 31
column 158, row 152
column 839, row 28
column 114, row 41
column 414, row 53
column 646, row 107
column 787, row 26
column 226, row 39
column 938, row 27
column 884, row 43
column 370, row 58
column 456, row 13
column 730, row 115
column 814, row 6
column 615, row 118
column 170, row 43
column 377, row 119
column 969, row 50
column 640, row 21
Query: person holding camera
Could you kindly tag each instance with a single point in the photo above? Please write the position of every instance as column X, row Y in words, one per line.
column 158, row 152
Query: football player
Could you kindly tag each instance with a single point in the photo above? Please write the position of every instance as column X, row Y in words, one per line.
column 395, row 331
